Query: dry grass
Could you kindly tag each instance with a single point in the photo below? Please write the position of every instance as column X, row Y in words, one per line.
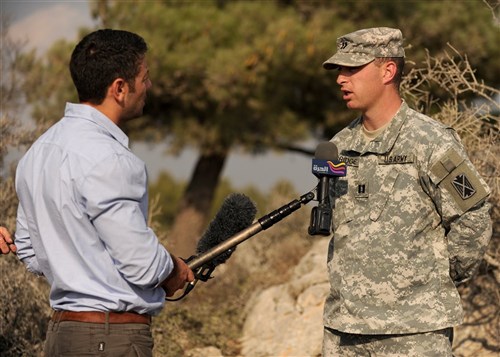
column 24, row 310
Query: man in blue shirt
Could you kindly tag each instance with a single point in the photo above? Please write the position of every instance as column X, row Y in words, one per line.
column 82, row 215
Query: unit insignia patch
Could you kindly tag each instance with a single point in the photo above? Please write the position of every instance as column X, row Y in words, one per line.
column 463, row 186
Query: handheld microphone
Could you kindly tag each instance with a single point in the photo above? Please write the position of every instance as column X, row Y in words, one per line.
column 324, row 166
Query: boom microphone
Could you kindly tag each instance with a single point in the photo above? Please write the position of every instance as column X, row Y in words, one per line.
column 325, row 165
column 236, row 213
column 217, row 246
column 231, row 226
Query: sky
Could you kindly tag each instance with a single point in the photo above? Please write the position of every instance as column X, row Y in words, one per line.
column 40, row 23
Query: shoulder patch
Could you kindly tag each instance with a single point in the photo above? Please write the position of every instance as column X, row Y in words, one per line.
column 463, row 186
column 462, row 183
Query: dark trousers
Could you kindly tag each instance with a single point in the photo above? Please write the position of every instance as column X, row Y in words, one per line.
column 71, row 338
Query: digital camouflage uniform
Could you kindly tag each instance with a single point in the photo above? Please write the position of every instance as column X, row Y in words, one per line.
column 411, row 204
column 410, row 220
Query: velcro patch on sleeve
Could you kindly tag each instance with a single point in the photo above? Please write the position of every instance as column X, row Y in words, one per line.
column 450, row 161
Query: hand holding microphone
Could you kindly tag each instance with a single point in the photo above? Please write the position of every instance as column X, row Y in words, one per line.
column 180, row 275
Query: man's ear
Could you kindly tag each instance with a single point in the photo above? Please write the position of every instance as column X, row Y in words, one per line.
column 118, row 90
column 390, row 70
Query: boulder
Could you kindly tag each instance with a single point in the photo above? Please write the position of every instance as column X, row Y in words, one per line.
column 286, row 320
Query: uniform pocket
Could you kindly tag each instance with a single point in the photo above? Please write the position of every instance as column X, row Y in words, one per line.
column 380, row 199
column 343, row 204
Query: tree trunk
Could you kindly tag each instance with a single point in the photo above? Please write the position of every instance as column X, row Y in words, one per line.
column 194, row 208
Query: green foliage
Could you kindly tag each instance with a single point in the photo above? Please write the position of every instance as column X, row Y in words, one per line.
column 23, row 313
column 248, row 73
column 468, row 26
column 47, row 83
column 169, row 192
column 211, row 91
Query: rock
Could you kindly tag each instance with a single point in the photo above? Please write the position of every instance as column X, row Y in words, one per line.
column 286, row 320
column 204, row 352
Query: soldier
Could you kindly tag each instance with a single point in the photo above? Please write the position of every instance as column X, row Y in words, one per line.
column 411, row 220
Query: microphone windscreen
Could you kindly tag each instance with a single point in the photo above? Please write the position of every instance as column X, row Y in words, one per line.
column 236, row 213
column 326, row 151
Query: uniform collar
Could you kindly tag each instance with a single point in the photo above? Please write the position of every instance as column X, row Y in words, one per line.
column 86, row 112
column 383, row 143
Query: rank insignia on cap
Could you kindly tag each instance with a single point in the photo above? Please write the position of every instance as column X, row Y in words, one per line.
column 463, row 186
column 343, row 43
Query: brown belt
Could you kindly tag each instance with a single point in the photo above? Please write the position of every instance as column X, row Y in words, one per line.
column 100, row 317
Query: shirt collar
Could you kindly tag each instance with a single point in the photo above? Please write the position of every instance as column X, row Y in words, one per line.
column 86, row 112
column 382, row 143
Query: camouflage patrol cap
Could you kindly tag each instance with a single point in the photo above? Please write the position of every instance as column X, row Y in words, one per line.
column 361, row 47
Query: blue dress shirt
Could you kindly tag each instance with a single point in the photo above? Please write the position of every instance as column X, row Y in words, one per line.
column 82, row 218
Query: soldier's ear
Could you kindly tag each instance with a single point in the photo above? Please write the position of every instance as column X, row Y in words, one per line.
column 390, row 69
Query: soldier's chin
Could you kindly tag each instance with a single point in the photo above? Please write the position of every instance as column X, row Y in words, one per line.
column 350, row 105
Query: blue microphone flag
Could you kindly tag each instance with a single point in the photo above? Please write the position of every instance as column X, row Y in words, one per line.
column 334, row 168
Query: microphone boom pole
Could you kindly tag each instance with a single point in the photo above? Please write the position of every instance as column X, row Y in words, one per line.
column 262, row 223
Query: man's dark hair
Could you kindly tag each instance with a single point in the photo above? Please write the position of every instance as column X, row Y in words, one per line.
column 103, row 56
column 400, row 64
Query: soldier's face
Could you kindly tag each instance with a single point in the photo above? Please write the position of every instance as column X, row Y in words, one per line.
column 361, row 86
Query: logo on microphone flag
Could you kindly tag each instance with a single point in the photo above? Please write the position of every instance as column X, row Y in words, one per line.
column 329, row 167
